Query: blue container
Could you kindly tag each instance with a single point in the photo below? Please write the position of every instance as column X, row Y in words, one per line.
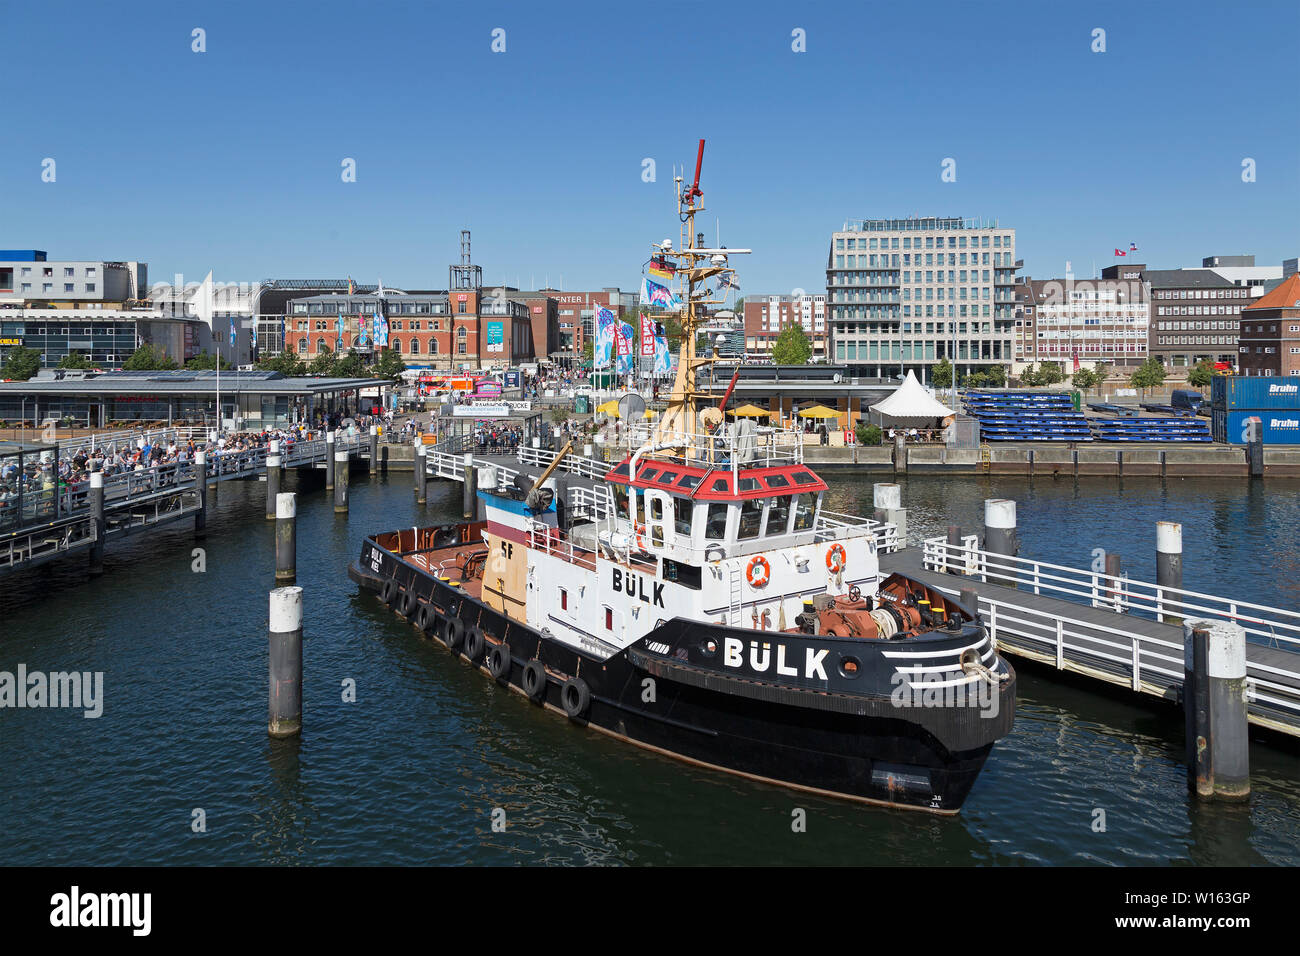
column 1230, row 392
column 1275, row 427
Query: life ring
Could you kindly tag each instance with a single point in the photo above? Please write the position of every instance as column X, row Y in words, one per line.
column 836, row 559
column 640, row 544
column 473, row 644
column 758, row 564
column 388, row 594
column 498, row 661
column 453, row 632
column 575, row 696
column 534, row 680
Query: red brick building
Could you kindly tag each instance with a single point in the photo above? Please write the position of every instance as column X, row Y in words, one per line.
column 766, row 315
column 1270, row 332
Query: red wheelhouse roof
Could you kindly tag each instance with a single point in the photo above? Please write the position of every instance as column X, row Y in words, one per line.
column 717, row 484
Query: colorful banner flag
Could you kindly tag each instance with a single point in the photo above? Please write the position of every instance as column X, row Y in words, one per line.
column 338, row 326
column 253, row 331
column 663, row 358
column 626, row 348
column 647, row 336
column 362, row 322
column 1120, row 252
column 352, row 286
column 662, row 269
column 728, row 280
column 652, row 293
column 232, row 331
column 603, row 349
column 1132, row 247
column 381, row 331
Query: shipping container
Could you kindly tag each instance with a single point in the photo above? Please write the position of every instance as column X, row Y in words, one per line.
column 1275, row 427
column 1230, row 392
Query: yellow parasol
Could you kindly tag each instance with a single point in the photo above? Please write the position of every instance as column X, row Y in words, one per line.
column 820, row 411
column 609, row 408
column 751, row 411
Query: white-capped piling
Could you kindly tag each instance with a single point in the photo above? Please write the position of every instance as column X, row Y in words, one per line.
column 1000, row 540
column 1214, row 702
column 420, row 459
column 1169, row 565
column 201, row 489
column 329, row 460
column 470, row 488
column 272, row 478
column 285, row 638
column 340, row 482
column 374, row 449
column 887, row 499
column 97, row 515
column 286, row 536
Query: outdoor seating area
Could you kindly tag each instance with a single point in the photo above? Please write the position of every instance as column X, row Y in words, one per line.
column 1051, row 416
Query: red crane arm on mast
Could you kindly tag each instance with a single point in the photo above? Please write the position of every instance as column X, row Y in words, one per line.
column 695, row 187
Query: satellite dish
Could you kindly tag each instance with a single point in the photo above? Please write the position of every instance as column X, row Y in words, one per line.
column 631, row 407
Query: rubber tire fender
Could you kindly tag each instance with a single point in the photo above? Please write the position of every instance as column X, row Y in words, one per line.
column 407, row 604
column 575, row 696
column 426, row 619
column 498, row 661
column 388, row 593
column 453, row 633
column 534, row 681
column 473, row 648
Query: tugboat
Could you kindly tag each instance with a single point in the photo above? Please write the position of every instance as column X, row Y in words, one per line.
column 691, row 596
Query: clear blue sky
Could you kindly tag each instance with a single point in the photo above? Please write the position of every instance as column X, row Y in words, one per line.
column 229, row 160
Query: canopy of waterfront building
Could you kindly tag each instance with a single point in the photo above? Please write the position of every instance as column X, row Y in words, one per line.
column 911, row 402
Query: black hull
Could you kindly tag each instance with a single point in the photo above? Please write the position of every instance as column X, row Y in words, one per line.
column 857, row 747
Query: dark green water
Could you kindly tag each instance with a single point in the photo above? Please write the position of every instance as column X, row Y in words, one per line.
column 411, row 771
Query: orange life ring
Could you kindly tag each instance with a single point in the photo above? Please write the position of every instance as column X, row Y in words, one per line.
column 836, row 559
column 640, row 545
column 758, row 580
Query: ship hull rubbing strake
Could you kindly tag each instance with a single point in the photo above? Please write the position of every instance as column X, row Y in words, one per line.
column 842, row 736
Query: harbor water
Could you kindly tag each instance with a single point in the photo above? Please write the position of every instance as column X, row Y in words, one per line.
column 179, row 768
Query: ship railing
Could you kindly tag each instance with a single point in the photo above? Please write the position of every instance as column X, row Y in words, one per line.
column 572, row 464
column 831, row 526
column 598, row 502
column 553, row 541
column 1123, row 656
column 1271, row 625
column 764, row 447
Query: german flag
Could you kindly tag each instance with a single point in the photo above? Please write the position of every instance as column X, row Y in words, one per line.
column 662, row 269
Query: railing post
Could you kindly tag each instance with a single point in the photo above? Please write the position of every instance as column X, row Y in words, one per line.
column 1060, row 644
column 1169, row 565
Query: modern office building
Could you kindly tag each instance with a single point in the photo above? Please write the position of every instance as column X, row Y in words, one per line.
column 1270, row 332
column 106, row 337
column 766, row 315
column 1083, row 322
column 904, row 293
column 29, row 279
column 1241, row 270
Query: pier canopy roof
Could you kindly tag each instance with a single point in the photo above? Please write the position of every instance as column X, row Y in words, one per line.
column 911, row 401
column 182, row 382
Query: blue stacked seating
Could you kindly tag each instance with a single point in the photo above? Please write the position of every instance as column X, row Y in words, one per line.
column 1152, row 430
column 1027, row 416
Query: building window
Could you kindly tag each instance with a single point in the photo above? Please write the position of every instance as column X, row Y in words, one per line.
column 302, row 346
column 397, row 345
column 461, row 307
column 460, row 341
column 415, row 346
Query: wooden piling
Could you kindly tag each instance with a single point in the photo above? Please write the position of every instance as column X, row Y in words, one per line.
column 340, row 482
column 1214, row 701
column 286, row 537
column 285, row 685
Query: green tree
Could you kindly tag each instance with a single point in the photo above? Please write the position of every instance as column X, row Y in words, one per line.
column 21, row 364
column 205, row 362
column 1151, row 374
column 792, row 346
column 996, row 375
column 74, row 360
column 1050, row 373
column 941, row 374
column 388, row 365
column 1202, row 375
column 349, row 366
column 1085, row 378
column 148, row 359
column 588, row 352
column 322, row 364
column 286, row 363
column 868, row 434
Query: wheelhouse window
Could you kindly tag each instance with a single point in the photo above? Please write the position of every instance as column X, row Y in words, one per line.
column 564, row 599
column 751, row 518
column 682, row 510
column 805, row 507
column 778, row 514
column 715, row 522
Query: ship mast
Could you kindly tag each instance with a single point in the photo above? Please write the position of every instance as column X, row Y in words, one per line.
column 697, row 264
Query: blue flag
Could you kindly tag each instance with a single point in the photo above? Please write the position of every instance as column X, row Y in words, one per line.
column 232, row 331
column 338, row 344
column 603, row 351
column 663, row 357
column 626, row 344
